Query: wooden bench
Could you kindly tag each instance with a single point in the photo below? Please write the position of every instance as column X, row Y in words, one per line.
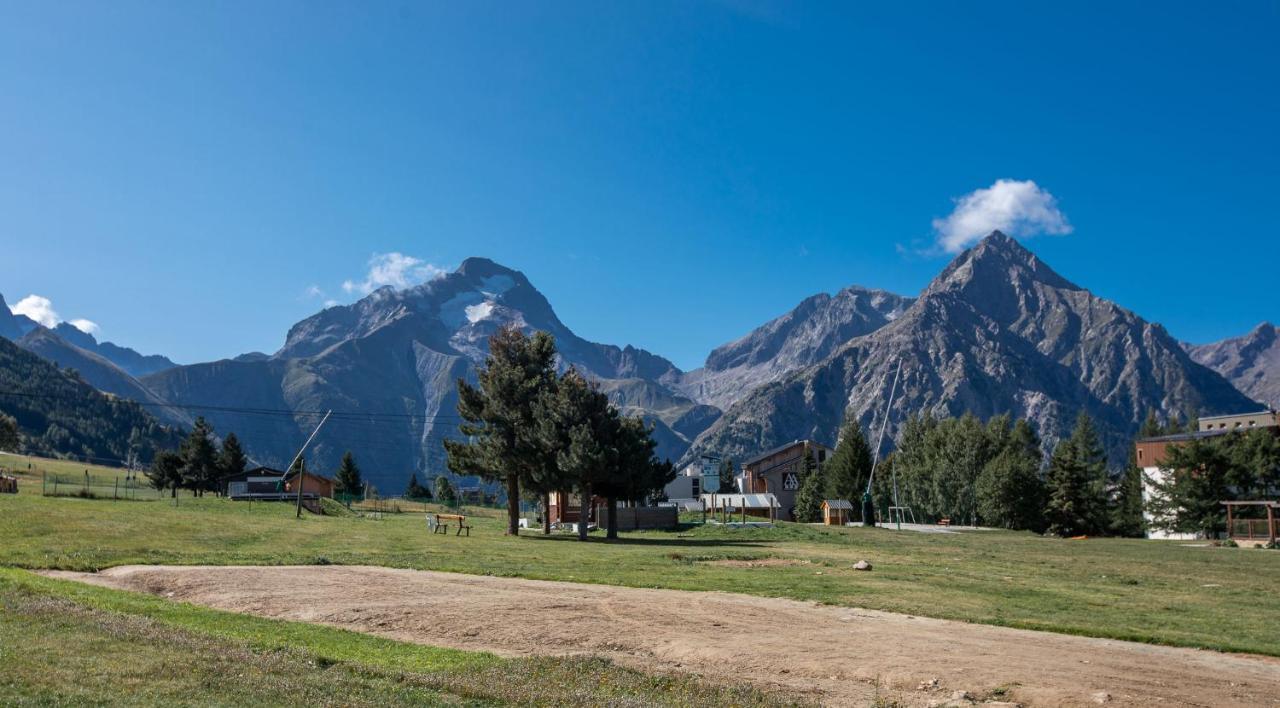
column 944, row 522
column 439, row 523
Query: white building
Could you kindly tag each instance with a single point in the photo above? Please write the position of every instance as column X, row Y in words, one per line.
column 700, row 477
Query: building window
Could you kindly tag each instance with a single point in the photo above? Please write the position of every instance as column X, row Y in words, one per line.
column 697, row 487
column 790, row 481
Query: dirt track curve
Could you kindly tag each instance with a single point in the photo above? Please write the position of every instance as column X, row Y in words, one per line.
column 833, row 654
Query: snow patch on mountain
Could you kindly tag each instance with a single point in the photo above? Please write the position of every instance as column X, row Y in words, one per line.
column 475, row 313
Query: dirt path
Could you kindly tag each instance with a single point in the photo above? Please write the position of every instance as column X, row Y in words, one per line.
column 834, row 654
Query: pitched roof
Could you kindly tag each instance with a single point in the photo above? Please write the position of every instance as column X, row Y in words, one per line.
column 776, row 450
column 837, row 504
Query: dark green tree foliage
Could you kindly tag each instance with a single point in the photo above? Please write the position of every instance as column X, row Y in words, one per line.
column 1202, row 473
column 200, row 458
column 231, row 459
column 809, row 497
column 445, row 493
column 1077, row 483
column 414, row 490
column 632, row 471
column 298, row 465
column 9, row 440
column 498, row 415
column 1010, row 491
column 727, row 474
column 166, row 472
column 59, row 415
column 847, row 470
column 581, row 426
column 348, row 475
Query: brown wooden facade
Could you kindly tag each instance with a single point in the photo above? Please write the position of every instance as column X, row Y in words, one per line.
column 778, row 472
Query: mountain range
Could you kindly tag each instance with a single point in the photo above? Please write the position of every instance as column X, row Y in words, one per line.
column 1251, row 362
column 997, row 331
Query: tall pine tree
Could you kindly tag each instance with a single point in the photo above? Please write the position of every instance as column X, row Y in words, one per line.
column 808, row 507
column 200, row 458
column 847, row 470
column 231, row 460
column 499, row 415
column 1076, row 482
column 348, row 476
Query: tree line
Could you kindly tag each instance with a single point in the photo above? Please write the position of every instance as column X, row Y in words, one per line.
column 538, row 431
column 201, row 462
column 991, row 473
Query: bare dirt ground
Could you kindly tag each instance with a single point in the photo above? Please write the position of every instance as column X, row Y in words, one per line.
column 835, row 655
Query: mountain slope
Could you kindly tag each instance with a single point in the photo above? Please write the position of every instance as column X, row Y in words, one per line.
column 13, row 326
column 97, row 372
column 58, row 413
column 997, row 331
column 1251, row 362
column 390, row 363
column 128, row 360
column 804, row 336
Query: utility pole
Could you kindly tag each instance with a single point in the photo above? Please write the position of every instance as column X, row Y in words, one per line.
column 299, row 456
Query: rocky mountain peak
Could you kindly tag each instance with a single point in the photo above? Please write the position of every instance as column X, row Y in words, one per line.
column 997, row 261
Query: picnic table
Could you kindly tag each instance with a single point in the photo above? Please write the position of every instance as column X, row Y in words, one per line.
column 439, row 523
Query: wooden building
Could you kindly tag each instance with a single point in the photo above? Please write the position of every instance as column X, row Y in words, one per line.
column 836, row 512
column 313, row 485
column 778, row 472
column 256, row 483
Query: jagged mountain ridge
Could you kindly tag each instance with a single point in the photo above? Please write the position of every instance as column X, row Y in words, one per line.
column 13, row 327
column 997, row 331
column 1251, row 362
column 806, row 335
column 129, row 360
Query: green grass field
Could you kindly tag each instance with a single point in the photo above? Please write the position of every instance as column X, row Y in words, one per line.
column 1161, row 592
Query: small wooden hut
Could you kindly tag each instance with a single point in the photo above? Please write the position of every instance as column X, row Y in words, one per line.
column 836, row 512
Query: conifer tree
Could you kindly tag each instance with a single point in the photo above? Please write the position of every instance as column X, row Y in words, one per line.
column 414, row 490
column 499, row 415
column 847, row 470
column 1009, row 488
column 166, row 472
column 580, row 425
column 808, row 507
column 231, row 460
column 200, row 458
column 348, row 476
column 1076, row 482
column 727, row 476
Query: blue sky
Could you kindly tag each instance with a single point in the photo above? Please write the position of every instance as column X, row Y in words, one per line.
column 669, row 174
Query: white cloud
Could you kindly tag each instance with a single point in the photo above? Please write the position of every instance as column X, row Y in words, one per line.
column 313, row 291
column 39, row 309
column 394, row 269
column 86, row 326
column 1018, row 208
